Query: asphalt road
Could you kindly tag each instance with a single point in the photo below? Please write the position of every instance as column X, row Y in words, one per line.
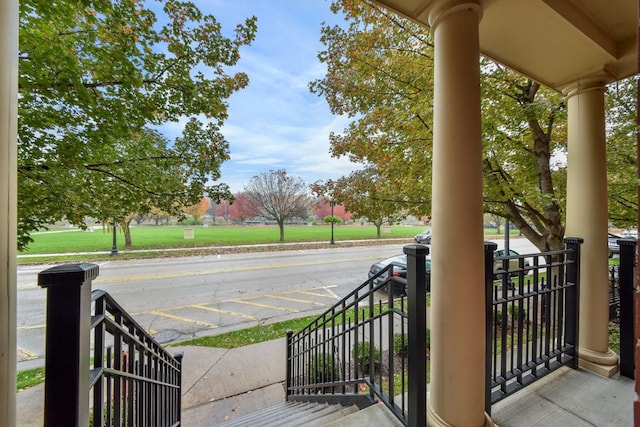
column 180, row 298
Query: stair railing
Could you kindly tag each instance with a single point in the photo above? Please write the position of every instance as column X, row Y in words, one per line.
column 130, row 380
column 369, row 347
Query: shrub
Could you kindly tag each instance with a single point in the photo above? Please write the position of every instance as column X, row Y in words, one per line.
column 513, row 311
column 362, row 353
column 322, row 368
column 401, row 343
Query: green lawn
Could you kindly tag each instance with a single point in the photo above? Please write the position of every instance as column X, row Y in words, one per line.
column 161, row 237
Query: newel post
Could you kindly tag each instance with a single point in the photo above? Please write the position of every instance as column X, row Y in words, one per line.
column 417, row 331
column 572, row 302
column 66, row 389
column 627, row 294
column 288, row 367
column 489, row 250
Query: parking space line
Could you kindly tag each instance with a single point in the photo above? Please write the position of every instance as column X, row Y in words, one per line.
column 230, row 313
column 330, row 292
column 26, row 328
column 290, row 310
column 26, row 354
column 183, row 319
column 296, row 300
column 315, row 294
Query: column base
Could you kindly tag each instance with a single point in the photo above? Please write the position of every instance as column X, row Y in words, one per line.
column 603, row 364
column 434, row 420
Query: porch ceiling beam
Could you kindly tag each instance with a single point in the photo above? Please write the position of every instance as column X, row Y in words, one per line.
column 584, row 25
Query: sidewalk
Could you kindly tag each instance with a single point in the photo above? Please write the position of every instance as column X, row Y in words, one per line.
column 217, row 384
column 220, row 384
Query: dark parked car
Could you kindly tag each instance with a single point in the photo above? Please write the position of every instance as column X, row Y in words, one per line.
column 423, row 238
column 514, row 264
column 614, row 247
column 399, row 270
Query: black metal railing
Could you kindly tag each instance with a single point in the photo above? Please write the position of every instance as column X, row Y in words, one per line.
column 132, row 379
column 626, row 280
column 368, row 347
column 531, row 317
column 614, row 293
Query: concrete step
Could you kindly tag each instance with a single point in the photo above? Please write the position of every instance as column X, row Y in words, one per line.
column 293, row 414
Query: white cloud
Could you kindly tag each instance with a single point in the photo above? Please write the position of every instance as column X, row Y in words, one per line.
column 276, row 122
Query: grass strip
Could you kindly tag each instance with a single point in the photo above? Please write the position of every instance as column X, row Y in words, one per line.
column 165, row 237
column 29, row 378
column 253, row 335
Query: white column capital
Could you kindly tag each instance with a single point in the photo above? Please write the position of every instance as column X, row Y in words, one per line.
column 582, row 86
column 443, row 8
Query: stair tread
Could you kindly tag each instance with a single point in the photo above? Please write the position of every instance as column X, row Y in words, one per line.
column 312, row 415
column 291, row 413
column 335, row 415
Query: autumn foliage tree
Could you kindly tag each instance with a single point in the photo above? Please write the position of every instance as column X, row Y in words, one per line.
column 621, row 102
column 223, row 210
column 365, row 194
column 242, row 209
column 380, row 72
column 198, row 210
column 94, row 76
column 323, row 209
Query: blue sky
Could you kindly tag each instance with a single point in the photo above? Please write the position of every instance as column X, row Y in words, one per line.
column 275, row 122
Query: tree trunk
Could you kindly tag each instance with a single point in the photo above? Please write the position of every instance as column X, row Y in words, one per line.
column 281, row 225
column 127, row 233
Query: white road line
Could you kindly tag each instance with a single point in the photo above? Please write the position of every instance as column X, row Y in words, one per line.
column 330, row 292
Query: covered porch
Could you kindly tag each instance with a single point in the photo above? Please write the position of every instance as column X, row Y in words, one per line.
column 578, row 47
column 575, row 47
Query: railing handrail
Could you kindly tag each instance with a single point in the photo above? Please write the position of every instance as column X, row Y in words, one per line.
column 133, row 379
column 533, row 338
column 331, row 337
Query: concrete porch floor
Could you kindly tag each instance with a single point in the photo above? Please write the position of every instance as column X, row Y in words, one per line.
column 569, row 398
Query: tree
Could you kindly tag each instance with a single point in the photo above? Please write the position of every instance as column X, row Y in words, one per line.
column 380, row 71
column 242, row 209
column 621, row 102
column 524, row 126
column 372, row 75
column 93, row 77
column 223, row 210
column 158, row 215
column 329, row 219
column 154, row 175
column 198, row 210
column 366, row 194
column 278, row 196
column 323, row 209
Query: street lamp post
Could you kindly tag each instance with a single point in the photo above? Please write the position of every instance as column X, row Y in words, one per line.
column 114, row 247
column 333, row 242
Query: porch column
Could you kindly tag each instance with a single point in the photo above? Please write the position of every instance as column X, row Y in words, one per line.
column 456, row 394
column 587, row 217
column 8, row 204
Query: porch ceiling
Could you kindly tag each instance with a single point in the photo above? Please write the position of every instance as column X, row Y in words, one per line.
column 555, row 42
